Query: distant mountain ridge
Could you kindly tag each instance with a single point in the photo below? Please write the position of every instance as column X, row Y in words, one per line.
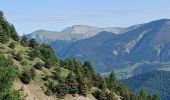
column 73, row 33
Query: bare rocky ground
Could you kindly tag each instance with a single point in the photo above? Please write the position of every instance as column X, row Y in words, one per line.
column 34, row 92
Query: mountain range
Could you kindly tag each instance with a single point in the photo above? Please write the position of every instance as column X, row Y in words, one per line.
column 74, row 33
column 129, row 51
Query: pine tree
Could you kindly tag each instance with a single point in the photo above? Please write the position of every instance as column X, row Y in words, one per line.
column 14, row 34
column 155, row 97
column 2, row 37
column 111, row 81
column 83, row 88
column 25, row 77
column 142, row 94
column 33, row 43
column 61, row 90
column 32, row 73
column 72, row 83
column 12, row 45
column 24, row 41
column 88, row 69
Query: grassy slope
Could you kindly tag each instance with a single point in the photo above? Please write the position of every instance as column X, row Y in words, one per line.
column 38, row 81
column 35, row 90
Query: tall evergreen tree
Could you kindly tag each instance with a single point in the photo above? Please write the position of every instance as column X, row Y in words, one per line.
column 142, row 94
column 83, row 88
column 3, row 38
column 14, row 34
column 72, row 83
column 111, row 81
column 33, row 43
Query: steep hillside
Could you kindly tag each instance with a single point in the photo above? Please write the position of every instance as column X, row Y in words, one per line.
column 157, row 81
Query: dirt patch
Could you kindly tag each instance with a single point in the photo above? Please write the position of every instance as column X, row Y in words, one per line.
column 32, row 91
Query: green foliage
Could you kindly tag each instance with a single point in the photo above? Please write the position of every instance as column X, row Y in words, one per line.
column 25, row 77
column 72, row 83
column 3, row 37
column 47, row 54
column 33, row 54
column 155, row 97
column 8, row 73
column 12, row 45
column 48, row 92
column 111, row 81
column 24, row 41
column 83, row 88
column 32, row 73
column 99, row 81
column 18, row 57
column 142, row 94
column 61, row 90
column 33, row 43
column 7, row 30
column 38, row 66
column 153, row 82
column 14, row 34
column 88, row 69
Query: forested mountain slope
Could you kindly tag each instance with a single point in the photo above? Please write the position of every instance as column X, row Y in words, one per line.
column 156, row 81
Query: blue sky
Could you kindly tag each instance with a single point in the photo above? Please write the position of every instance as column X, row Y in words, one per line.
column 55, row 15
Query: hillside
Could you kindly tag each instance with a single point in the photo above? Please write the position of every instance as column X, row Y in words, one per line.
column 31, row 71
column 157, row 81
column 145, row 45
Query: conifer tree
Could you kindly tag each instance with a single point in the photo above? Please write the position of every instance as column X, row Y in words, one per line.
column 83, row 88
column 2, row 37
column 155, row 97
column 24, row 41
column 142, row 94
column 33, row 43
column 72, row 83
column 13, row 33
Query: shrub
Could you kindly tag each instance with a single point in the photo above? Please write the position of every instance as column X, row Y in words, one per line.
column 48, row 92
column 33, row 43
column 25, row 77
column 23, row 63
column 38, row 66
column 33, row 73
column 12, row 45
column 24, row 41
column 46, row 78
column 17, row 57
column 33, row 54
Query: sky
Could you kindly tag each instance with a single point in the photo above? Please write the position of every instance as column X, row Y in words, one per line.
column 55, row 15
